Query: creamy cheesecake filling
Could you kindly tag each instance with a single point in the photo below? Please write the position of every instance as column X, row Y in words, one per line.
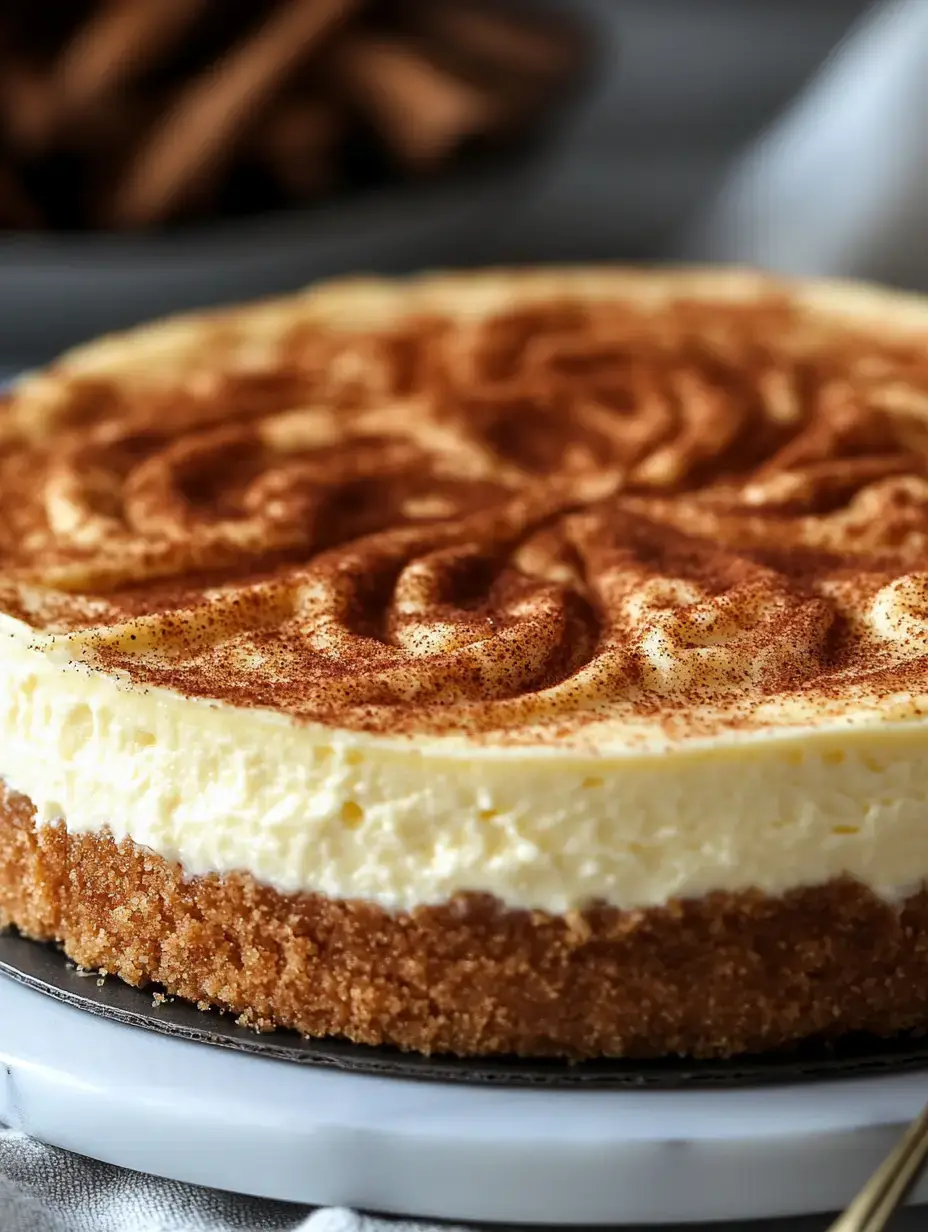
column 358, row 816
column 561, row 587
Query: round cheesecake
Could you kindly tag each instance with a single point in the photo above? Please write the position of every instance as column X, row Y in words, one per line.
column 524, row 663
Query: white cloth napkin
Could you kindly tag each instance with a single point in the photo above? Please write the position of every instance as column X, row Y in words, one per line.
column 838, row 187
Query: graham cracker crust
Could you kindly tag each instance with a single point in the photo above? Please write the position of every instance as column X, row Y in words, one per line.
column 718, row 976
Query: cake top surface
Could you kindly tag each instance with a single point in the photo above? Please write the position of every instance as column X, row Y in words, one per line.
column 562, row 507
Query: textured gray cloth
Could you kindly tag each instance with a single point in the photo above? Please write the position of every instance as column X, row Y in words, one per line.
column 44, row 1189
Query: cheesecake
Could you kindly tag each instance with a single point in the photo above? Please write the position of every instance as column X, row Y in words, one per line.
column 521, row 662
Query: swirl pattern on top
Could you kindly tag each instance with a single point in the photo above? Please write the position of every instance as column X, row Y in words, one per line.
column 513, row 504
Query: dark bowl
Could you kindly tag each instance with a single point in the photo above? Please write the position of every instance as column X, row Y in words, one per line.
column 58, row 289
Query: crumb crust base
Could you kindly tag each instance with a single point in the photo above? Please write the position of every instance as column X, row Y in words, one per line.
column 714, row 977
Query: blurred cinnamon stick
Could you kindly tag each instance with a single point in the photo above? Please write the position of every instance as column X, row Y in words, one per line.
column 495, row 39
column 204, row 127
column 423, row 113
column 297, row 143
column 121, row 41
column 27, row 105
column 135, row 113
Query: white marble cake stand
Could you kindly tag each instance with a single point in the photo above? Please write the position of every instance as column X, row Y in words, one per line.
column 235, row 1121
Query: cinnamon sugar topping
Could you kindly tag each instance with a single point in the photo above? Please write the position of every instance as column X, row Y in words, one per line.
column 501, row 504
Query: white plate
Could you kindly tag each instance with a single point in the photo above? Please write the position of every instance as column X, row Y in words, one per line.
column 233, row 1121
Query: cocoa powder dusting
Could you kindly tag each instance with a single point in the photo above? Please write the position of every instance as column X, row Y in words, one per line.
column 517, row 522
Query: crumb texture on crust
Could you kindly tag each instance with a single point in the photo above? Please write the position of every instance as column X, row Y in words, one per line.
column 508, row 506
column 713, row 977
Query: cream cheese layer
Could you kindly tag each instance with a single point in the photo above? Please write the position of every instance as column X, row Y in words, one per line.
column 405, row 822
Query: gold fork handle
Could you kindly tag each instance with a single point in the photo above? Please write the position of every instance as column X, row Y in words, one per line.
column 890, row 1185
